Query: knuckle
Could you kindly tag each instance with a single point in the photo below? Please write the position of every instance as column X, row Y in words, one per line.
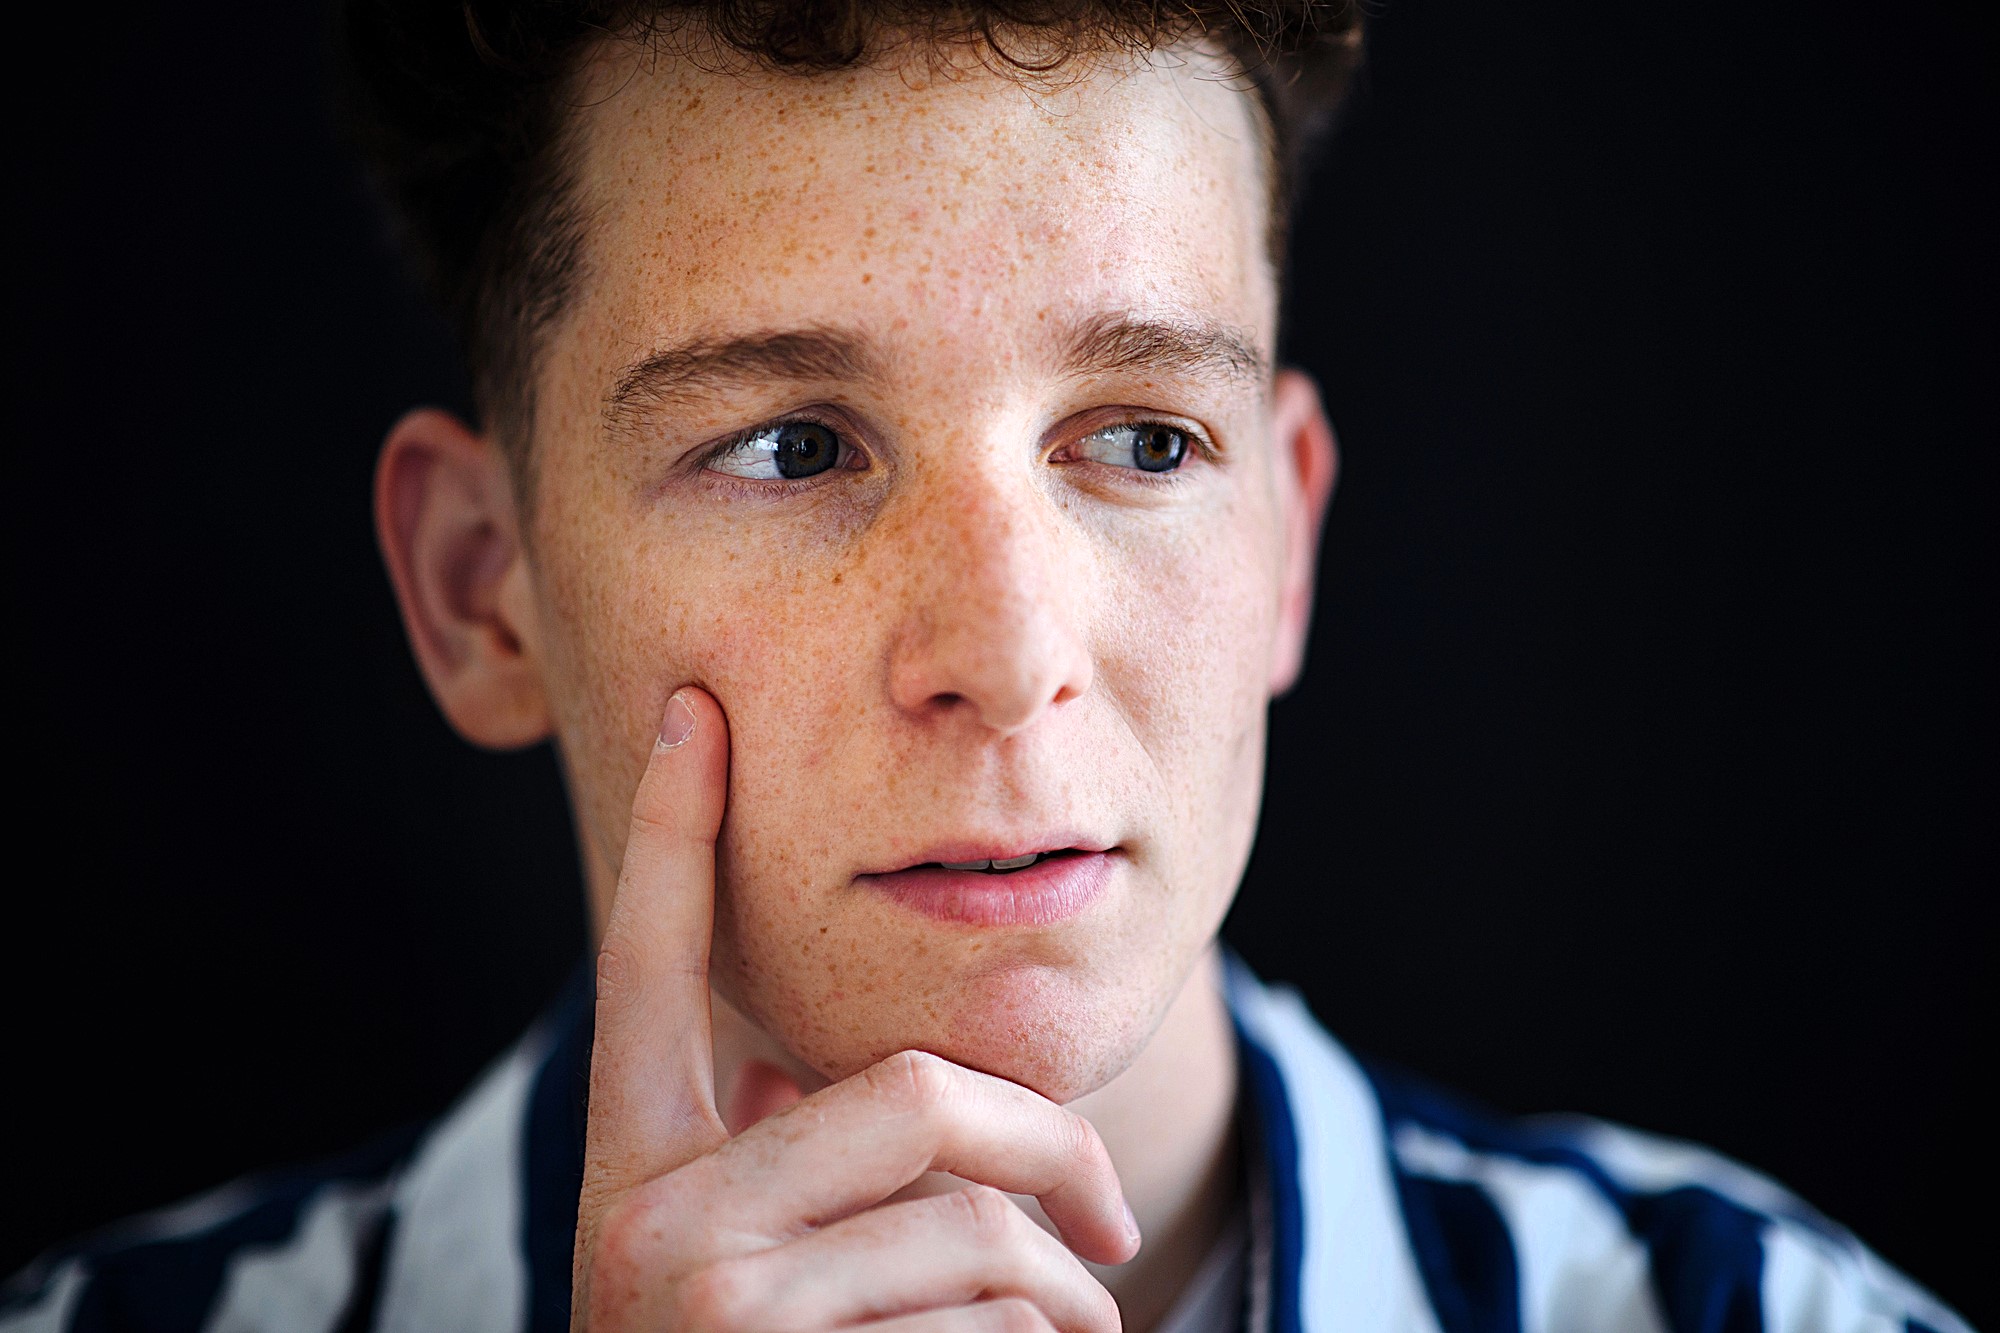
column 1083, row 1143
column 1106, row 1314
column 1016, row 1315
column 614, row 973
column 654, row 818
column 715, row 1297
column 916, row 1082
column 621, row 1252
column 989, row 1216
column 623, row 1233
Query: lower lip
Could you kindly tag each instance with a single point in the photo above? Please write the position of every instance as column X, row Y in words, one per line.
column 1043, row 893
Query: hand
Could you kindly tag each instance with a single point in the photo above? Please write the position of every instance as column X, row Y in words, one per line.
column 784, row 1226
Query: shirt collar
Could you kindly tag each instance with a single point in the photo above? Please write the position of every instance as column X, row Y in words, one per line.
column 1339, row 1257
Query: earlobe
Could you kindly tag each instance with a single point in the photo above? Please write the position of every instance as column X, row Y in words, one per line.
column 450, row 535
column 1308, row 461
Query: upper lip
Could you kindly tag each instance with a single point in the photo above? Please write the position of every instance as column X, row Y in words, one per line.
column 997, row 849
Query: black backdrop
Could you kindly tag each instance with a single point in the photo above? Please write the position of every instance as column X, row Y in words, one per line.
column 1644, row 764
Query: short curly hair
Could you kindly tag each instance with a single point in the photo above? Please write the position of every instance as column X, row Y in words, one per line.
column 456, row 109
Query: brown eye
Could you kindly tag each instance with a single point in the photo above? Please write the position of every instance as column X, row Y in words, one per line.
column 1149, row 446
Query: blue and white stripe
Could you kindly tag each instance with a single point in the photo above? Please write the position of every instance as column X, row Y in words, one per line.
column 1545, row 1225
column 1377, row 1205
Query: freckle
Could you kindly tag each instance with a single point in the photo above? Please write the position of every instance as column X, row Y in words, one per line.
column 868, row 277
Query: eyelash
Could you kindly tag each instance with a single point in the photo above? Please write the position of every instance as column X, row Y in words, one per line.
column 1199, row 446
column 1198, row 441
column 767, row 488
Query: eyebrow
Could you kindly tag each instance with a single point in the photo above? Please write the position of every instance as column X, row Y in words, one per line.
column 685, row 371
column 1110, row 343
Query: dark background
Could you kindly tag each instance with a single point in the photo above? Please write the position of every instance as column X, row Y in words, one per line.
column 1644, row 765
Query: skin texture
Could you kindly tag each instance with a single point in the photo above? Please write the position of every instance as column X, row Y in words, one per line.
column 969, row 632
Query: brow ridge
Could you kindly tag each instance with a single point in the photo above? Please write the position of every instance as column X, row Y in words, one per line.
column 1119, row 342
column 1108, row 343
column 683, row 371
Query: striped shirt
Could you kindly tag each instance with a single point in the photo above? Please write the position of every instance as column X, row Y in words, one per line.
column 1374, row 1204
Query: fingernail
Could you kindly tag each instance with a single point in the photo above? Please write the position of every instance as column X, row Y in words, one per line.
column 677, row 725
column 1131, row 1223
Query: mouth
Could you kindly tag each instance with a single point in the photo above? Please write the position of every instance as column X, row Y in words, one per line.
column 1021, row 888
column 1001, row 866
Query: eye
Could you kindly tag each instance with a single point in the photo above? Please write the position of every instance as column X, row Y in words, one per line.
column 1149, row 446
column 789, row 451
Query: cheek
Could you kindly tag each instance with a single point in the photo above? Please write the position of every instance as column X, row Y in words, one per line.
column 1186, row 655
column 792, row 693
column 632, row 622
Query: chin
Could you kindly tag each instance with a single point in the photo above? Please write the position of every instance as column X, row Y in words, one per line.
column 1062, row 1030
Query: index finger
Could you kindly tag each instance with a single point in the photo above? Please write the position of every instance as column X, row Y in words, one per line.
column 652, row 1066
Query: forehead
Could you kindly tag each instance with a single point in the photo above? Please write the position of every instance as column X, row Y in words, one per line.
column 911, row 199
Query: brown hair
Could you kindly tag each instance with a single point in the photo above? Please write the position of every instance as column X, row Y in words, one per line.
column 455, row 107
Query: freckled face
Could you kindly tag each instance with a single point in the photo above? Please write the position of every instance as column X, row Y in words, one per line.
column 921, row 563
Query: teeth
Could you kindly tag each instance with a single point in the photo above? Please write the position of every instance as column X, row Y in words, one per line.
column 1008, row 863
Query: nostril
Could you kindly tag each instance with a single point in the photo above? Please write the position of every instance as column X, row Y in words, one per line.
column 997, row 671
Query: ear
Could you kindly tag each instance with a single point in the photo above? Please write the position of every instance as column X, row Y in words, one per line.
column 450, row 534
column 1307, row 460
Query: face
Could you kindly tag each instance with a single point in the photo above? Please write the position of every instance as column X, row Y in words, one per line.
column 925, row 419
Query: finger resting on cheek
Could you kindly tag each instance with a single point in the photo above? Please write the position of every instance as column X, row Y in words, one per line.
column 680, row 797
column 652, row 1104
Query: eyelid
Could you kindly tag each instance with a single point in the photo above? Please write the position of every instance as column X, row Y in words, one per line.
column 1103, row 419
column 819, row 414
column 1093, row 422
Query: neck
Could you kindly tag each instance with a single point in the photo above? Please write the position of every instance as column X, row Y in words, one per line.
column 1170, row 1125
column 1168, row 1122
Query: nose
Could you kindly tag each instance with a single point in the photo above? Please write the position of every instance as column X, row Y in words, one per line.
column 992, row 631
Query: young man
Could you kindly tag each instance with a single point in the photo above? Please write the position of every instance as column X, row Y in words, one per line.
column 886, row 501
